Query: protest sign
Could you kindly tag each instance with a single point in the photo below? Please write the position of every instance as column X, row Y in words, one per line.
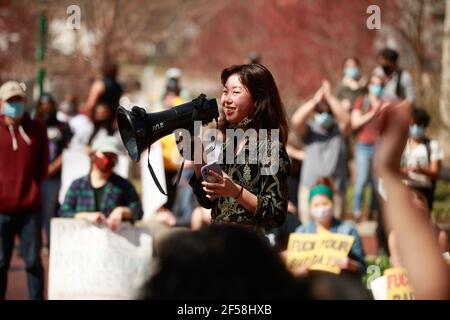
column 92, row 262
column 398, row 287
column 379, row 288
column 317, row 251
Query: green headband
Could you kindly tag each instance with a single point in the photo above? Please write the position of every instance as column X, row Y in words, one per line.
column 320, row 189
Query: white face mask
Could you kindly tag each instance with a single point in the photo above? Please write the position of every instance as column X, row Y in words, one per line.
column 322, row 212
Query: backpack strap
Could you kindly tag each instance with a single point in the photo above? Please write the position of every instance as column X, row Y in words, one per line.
column 366, row 104
column 398, row 89
column 427, row 143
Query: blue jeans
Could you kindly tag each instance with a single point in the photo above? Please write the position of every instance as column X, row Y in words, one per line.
column 185, row 200
column 364, row 176
column 28, row 227
column 50, row 191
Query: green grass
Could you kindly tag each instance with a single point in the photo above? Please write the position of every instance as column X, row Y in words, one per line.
column 441, row 206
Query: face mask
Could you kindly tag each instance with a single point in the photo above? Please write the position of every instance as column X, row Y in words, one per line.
column 324, row 119
column 103, row 163
column 376, row 89
column 49, row 117
column 322, row 213
column 101, row 122
column 387, row 70
column 351, row 72
column 14, row 110
column 416, row 131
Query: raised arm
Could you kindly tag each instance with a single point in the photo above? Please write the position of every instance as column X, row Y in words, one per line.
column 342, row 115
column 301, row 115
column 415, row 239
column 95, row 92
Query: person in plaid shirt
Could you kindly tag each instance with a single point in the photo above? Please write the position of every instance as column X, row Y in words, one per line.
column 102, row 197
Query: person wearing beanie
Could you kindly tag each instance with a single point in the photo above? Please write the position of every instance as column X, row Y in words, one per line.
column 321, row 210
column 102, row 197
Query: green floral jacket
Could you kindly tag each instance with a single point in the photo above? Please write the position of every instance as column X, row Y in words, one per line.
column 271, row 189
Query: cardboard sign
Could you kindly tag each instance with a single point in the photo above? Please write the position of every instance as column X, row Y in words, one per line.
column 379, row 288
column 92, row 262
column 317, row 251
column 398, row 287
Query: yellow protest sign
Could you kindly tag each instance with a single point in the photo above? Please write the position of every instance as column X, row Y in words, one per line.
column 317, row 251
column 398, row 287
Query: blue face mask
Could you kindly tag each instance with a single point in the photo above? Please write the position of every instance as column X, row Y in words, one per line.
column 416, row 131
column 324, row 119
column 376, row 89
column 14, row 110
column 351, row 72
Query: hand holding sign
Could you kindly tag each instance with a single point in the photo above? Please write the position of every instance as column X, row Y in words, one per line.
column 323, row 251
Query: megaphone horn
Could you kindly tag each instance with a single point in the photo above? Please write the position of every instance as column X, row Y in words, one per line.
column 139, row 129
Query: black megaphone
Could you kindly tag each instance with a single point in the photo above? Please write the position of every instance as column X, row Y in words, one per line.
column 139, row 129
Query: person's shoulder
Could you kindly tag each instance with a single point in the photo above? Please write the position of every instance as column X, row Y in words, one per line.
column 359, row 102
column 121, row 181
column 437, row 152
column 347, row 227
column 80, row 182
column 305, row 228
column 33, row 124
column 405, row 75
column 30, row 122
column 434, row 143
column 313, row 127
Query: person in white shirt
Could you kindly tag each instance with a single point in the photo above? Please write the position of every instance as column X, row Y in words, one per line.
column 398, row 83
column 422, row 157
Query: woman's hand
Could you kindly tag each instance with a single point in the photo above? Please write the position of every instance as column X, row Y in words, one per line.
column 224, row 187
column 394, row 133
column 165, row 217
column 345, row 263
column 326, row 88
column 93, row 217
column 114, row 220
column 300, row 271
column 319, row 95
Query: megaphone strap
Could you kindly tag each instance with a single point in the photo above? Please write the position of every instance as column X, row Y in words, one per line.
column 154, row 175
column 198, row 104
column 152, row 172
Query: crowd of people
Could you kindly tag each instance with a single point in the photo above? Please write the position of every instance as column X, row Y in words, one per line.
column 236, row 222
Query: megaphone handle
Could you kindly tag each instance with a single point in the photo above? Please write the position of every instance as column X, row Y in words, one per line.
column 179, row 173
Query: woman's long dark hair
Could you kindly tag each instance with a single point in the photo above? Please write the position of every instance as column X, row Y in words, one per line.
column 269, row 112
column 51, row 118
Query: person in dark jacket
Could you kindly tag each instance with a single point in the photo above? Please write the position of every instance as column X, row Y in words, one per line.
column 23, row 168
column 59, row 135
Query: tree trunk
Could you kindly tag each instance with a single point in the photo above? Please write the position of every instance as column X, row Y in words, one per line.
column 444, row 104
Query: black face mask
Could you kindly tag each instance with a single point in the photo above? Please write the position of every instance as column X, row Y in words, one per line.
column 387, row 70
column 49, row 117
column 103, row 123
